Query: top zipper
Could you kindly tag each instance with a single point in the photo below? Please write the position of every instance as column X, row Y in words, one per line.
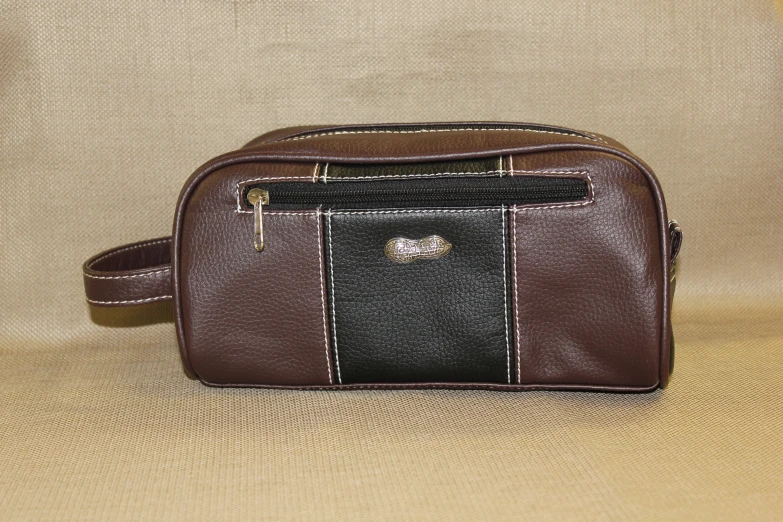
column 440, row 127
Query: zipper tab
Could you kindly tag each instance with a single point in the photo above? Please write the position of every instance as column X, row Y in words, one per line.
column 258, row 198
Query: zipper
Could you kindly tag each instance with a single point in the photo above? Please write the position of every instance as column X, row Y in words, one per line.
column 440, row 127
column 409, row 196
column 258, row 198
column 451, row 192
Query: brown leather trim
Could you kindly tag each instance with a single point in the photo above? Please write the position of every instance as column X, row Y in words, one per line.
column 255, row 317
column 421, row 150
column 287, row 133
column 404, row 128
column 452, row 386
column 587, row 278
column 130, row 274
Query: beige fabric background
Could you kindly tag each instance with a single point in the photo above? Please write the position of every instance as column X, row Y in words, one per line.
column 105, row 109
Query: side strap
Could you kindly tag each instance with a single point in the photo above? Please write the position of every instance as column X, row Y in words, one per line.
column 130, row 275
column 141, row 272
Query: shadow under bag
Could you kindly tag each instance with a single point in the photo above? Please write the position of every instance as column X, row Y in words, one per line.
column 502, row 256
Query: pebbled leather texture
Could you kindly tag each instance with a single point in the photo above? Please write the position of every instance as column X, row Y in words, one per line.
column 587, row 280
column 474, row 167
column 589, row 283
column 254, row 318
column 434, row 320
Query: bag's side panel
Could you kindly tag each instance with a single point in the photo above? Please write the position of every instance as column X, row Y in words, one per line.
column 587, row 278
column 254, row 317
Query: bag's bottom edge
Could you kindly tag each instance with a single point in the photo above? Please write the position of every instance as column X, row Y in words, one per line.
column 446, row 386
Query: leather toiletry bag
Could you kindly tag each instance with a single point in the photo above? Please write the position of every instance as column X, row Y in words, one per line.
column 501, row 256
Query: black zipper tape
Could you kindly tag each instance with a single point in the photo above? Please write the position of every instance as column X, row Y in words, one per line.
column 445, row 192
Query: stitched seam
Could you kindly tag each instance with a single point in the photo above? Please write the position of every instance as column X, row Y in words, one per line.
column 505, row 299
column 323, row 301
column 434, row 386
column 140, row 245
column 416, row 211
column 265, row 178
column 129, row 276
column 277, row 213
column 425, row 175
column 487, row 173
column 315, row 173
column 418, row 131
column 331, row 296
column 325, row 173
column 286, row 213
column 515, row 302
column 443, row 174
column 131, row 301
column 522, row 209
column 516, row 292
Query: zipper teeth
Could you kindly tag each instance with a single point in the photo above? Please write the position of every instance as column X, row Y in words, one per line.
column 424, row 194
column 412, row 129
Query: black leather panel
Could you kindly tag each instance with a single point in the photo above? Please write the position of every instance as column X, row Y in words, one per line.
column 492, row 166
column 431, row 320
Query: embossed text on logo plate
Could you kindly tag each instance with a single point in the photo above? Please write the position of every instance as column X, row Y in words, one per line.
column 404, row 250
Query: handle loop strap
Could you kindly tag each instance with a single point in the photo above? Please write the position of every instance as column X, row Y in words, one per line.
column 129, row 275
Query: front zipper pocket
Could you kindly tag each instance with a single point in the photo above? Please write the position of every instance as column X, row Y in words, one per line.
column 436, row 193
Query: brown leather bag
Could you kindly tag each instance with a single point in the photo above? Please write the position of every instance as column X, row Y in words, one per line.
column 447, row 255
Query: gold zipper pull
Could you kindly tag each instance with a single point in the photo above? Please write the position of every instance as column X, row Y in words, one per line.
column 258, row 198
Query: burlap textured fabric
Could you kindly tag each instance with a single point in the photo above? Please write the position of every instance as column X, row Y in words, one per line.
column 105, row 109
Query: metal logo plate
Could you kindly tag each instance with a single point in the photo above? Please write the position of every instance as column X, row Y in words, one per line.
column 404, row 250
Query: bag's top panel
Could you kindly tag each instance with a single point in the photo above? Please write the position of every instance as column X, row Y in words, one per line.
column 417, row 141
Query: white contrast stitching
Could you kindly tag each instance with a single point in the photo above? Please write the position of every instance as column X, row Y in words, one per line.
column 277, row 213
column 323, row 301
column 325, row 172
column 331, row 296
column 129, row 276
column 505, row 299
column 464, row 173
column 285, row 213
column 265, row 178
column 418, row 131
column 417, row 211
column 315, row 173
column 516, row 292
column 426, row 175
column 544, row 207
column 132, row 247
column 523, row 171
column 133, row 301
column 510, row 164
column 590, row 200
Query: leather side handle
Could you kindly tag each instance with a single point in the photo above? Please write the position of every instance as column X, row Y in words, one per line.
column 130, row 275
